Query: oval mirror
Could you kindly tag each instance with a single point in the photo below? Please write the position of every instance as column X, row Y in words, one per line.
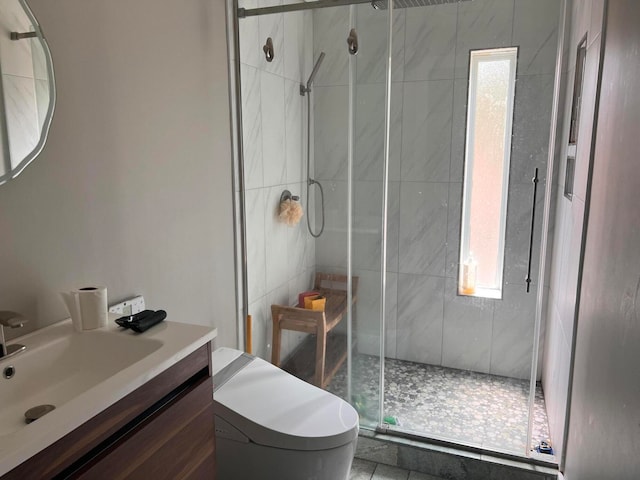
column 27, row 90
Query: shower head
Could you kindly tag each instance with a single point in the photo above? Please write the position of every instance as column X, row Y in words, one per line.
column 316, row 67
column 382, row 4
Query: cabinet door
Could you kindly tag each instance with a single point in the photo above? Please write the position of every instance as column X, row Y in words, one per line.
column 177, row 442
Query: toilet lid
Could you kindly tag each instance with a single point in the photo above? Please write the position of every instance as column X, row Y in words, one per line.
column 276, row 409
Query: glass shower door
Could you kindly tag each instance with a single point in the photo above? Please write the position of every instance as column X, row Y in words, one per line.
column 458, row 367
column 370, row 194
column 349, row 135
column 382, row 189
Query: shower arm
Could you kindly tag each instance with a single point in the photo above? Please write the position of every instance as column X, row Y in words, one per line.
column 306, row 89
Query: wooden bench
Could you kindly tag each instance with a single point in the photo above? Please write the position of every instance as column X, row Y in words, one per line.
column 319, row 323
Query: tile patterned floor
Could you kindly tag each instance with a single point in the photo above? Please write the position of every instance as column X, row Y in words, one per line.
column 466, row 407
column 366, row 470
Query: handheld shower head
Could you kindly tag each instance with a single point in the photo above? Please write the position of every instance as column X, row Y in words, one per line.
column 316, row 67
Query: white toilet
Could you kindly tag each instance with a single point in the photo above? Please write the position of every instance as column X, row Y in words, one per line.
column 272, row 425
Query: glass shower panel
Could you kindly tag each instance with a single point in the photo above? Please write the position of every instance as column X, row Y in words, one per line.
column 313, row 123
column 369, row 187
column 331, row 160
column 280, row 258
column 349, row 160
column 458, row 368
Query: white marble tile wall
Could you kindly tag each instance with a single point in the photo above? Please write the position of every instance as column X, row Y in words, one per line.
column 281, row 259
column 330, row 124
column 39, row 60
column 566, row 242
column 372, row 55
column 423, row 227
column 485, row 24
column 19, row 86
column 330, row 31
column 16, row 55
column 427, row 115
column 430, row 33
column 419, row 328
column 42, row 100
column 468, row 329
column 21, row 110
column 428, row 111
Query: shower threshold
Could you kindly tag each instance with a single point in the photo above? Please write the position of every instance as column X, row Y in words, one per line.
column 478, row 412
column 440, row 460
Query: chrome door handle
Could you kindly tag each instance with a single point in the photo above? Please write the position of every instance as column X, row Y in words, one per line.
column 534, row 180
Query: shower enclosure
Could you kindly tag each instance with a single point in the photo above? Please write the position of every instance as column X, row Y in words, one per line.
column 377, row 117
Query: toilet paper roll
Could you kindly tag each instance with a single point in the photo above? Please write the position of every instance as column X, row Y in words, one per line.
column 93, row 307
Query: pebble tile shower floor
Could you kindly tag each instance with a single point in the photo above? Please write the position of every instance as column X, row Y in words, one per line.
column 472, row 408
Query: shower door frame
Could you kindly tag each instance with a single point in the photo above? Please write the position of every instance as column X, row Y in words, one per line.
column 384, row 428
column 234, row 14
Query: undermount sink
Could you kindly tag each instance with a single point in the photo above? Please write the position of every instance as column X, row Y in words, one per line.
column 81, row 374
column 55, row 369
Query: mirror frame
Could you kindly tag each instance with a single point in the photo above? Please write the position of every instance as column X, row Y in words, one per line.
column 44, row 133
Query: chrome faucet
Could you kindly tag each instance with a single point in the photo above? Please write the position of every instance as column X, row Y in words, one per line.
column 11, row 320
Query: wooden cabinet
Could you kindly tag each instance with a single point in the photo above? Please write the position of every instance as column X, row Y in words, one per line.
column 162, row 430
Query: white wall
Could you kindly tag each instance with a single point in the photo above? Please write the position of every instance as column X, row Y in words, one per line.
column 133, row 189
column 280, row 259
column 585, row 19
column 604, row 427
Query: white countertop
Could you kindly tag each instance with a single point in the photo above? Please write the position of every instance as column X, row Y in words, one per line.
column 177, row 340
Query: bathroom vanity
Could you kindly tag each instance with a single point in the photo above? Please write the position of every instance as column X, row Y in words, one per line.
column 150, row 416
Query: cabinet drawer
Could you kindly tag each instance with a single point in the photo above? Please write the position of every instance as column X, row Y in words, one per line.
column 177, row 442
column 108, row 427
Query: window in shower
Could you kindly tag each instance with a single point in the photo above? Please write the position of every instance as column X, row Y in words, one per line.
column 492, row 75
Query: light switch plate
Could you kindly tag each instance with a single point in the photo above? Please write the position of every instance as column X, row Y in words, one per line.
column 128, row 307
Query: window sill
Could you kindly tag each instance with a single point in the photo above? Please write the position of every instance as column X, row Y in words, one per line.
column 492, row 293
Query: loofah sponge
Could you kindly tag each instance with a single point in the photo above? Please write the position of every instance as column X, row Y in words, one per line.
column 290, row 212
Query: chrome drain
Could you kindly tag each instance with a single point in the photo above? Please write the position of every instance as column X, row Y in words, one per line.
column 35, row 413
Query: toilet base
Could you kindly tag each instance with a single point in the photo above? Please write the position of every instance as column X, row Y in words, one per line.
column 237, row 460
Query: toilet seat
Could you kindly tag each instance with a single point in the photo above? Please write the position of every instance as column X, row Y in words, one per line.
column 273, row 408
